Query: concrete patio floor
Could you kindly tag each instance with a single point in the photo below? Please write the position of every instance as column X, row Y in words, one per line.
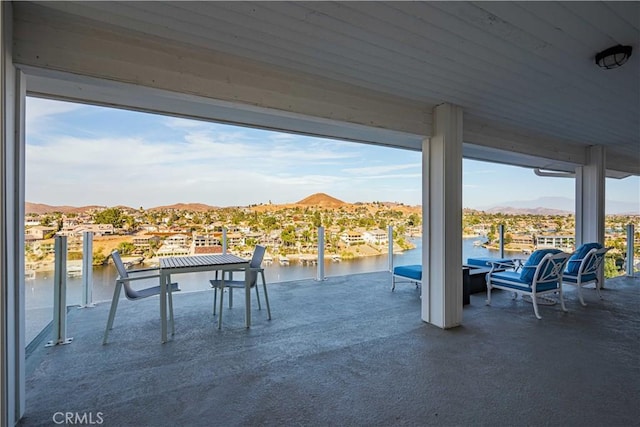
column 347, row 352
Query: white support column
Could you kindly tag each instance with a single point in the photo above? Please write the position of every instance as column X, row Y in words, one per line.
column 590, row 197
column 12, row 322
column 442, row 219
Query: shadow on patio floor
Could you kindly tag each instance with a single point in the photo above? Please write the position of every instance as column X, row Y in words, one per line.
column 347, row 351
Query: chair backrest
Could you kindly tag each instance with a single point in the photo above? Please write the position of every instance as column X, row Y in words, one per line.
column 117, row 261
column 592, row 261
column 129, row 292
column 550, row 268
column 529, row 269
column 256, row 262
column 576, row 260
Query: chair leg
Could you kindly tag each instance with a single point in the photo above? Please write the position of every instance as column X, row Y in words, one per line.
column 584, row 304
column 266, row 296
column 220, row 307
column 258, row 296
column 112, row 311
column 215, row 298
column 230, row 298
column 534, row 301
column 562, row 300
column 170, row 298
column 488, row 293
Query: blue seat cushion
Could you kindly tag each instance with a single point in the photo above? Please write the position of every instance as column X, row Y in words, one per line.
column 527, row 273
column 573, row 278
column 573, row 266
column 410, row 271
column 512, row 280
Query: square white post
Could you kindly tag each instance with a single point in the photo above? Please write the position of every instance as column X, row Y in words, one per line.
column 390, row 244
column 590, row 197
column 442, row 219
column 320, row 269
column 87, row 270
column 60, row 294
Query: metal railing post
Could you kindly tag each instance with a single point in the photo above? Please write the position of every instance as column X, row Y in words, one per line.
column 390, row 251
column 320, row 270
column 87, row 270
column 224, row 240
column 501, row 232
column 630, row 249
column 60, row 294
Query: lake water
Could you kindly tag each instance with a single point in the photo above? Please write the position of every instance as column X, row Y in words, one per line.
column 39, row 291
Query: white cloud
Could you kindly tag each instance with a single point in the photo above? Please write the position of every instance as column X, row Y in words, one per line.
column 38, row 108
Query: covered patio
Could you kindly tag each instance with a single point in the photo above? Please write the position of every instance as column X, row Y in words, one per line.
column 347, row 351
column 507, row 82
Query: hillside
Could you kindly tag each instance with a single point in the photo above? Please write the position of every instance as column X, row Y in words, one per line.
column 323, row 200
column 40, row 208
column 195, row 207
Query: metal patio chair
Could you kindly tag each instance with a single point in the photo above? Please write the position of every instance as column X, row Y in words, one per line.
column 540, row 275
column 255, row 267
column 583, row 268
column 123, row 281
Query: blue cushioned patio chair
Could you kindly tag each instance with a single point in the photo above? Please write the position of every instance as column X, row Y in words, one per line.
column 584, row 269
column 255, row 267
column 540, row 275
column 123, row 281
column 410, row 273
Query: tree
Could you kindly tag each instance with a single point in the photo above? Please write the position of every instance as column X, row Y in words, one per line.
column 98, row 257
column 508, row 238
column 111, row 216
column 610, row 268
column 414, row 220
column 126, row 248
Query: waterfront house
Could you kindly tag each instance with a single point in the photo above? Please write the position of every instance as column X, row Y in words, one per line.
column 145, row 241
column 376, row 237
column 352, row 237
column 39, row 232
column 177, row 240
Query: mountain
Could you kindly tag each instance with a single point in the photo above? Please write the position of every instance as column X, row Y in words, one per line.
column 321, row 199
column 558, row 206
column 195, row 207
column 40, row 208
column 508, row 210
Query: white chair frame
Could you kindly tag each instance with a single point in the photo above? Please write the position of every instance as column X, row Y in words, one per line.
column 590, row 264
column 541, row 276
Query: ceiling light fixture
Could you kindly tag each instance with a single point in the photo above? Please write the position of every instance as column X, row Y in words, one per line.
column 613, row 57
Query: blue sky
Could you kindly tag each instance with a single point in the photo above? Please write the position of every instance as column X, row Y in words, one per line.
column 85, row 155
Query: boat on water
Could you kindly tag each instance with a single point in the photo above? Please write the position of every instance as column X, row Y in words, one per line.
column 29, row 274
column 74, row 271
column 267, row 260
column 284, row 260
column 478, row 243
column 336, row 258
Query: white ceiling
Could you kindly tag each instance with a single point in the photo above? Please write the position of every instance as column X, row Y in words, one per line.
column 526, row 65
